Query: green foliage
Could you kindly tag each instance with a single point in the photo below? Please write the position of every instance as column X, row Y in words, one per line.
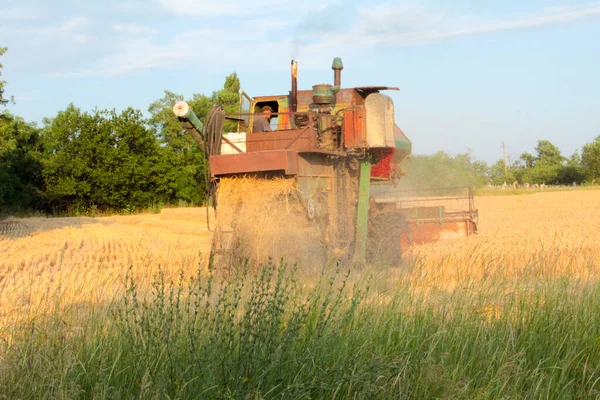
column 266, row 336
column 101, row 159
column 540, row 173
column 442, row 170
column 3, row 100
column 572, row 171
column 229, row 99
column 528, row 159
column 544, row 168
column 590, row 159
column 497, row 176
column 21, row 177
column 104, row 160
column 548, row 154
column 183, row 165
column 548, row 167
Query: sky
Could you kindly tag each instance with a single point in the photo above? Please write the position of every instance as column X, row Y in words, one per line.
column 473, row 74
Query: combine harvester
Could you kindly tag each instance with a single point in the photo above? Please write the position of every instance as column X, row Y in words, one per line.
column 343, row 151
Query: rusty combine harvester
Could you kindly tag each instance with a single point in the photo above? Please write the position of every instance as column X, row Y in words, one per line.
column 344, row 150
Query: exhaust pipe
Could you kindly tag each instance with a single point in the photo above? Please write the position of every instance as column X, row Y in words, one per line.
column 337, row 68
column 294, row 94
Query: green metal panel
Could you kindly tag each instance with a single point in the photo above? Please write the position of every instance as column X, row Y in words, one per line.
column 403, row 146
column 195, row 121
column 337, row 63
column 402, row 143
column 323, row 94
column 362, row 217
column 190, row 122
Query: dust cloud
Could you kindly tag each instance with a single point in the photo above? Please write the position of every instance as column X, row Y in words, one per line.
column 259, row 218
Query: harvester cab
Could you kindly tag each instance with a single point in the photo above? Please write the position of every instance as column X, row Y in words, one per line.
column 335, row 144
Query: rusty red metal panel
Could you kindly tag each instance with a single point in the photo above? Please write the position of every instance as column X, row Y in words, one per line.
column 384, row 168
column 354, row 128
column 277, row 160
column 292, row 139
column 428, row 232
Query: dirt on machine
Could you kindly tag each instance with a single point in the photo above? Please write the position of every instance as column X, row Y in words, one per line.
column 321, row 182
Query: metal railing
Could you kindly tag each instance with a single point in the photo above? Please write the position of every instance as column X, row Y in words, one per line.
column 290, row 120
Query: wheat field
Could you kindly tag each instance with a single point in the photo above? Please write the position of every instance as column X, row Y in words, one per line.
column 53, row 262
column 542, row 235
column 509, row 313
column 82, row 260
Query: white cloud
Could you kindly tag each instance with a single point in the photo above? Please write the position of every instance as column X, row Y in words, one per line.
column 286, row 9
column 133, row 29
column 81, row 39
column 398, row 19
column 233, row 47
column 270, row 24
column 141, row 54
column 197, row 34
column 390, row 25
column 210, row 7
column 226, row 48
column 27, row 97
column 565, row 16
column 72, row 24
column 20, row 13
column 398, row 26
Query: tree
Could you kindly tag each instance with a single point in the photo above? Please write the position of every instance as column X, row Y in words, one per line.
column 3, row 100
column 442, row 170
column 134, row 180
column 181, row 168
column 229, row 98
column 104, row 159
column 21, row 179
column 540, row 174
column 165, row 125
column 183, row 165
column 497, row 176
column 572, row 171
column 590, row 159
column 544, row 168
column 528, row 159
column 548, row 153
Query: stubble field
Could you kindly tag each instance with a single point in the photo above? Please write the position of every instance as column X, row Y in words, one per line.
column 471, row 318
column 85, row 259
column 45, row 261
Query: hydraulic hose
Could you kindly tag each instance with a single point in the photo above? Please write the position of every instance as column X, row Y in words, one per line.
column 213, row 136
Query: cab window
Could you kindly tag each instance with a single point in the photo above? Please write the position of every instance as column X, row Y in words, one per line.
column 275, row 109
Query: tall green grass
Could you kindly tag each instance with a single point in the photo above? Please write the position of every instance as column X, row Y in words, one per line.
column 271, row 335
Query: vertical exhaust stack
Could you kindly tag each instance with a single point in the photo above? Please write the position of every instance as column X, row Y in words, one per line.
column 337, row 68
column 294, row 94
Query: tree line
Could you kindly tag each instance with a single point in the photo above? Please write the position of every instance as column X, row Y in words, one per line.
column 79, row 161
column 546, row 165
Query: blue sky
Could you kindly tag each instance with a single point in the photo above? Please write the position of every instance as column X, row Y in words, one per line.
column 472, row 73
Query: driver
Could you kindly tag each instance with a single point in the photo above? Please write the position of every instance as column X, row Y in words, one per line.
column 261, row 121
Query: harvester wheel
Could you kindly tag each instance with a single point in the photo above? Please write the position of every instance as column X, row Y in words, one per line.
column 389, row 237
